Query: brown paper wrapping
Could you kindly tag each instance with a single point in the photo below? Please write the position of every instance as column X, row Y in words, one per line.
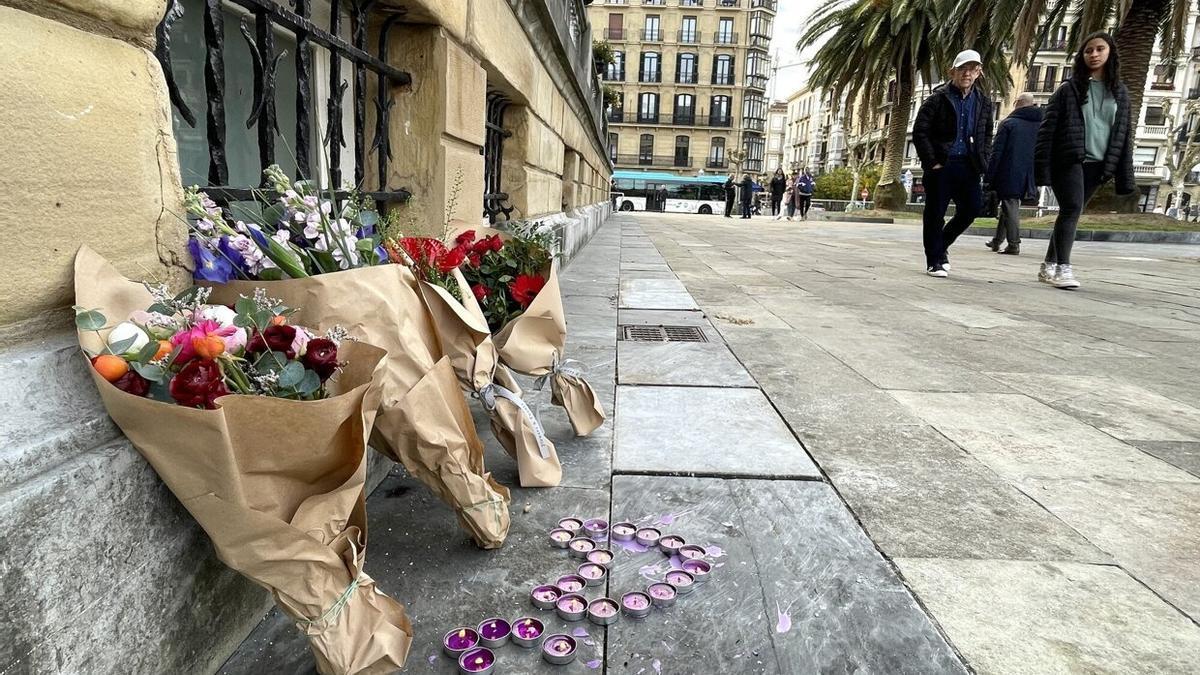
column 467, row 341
column 278, row 485
column 423, row 421
column 534, row 343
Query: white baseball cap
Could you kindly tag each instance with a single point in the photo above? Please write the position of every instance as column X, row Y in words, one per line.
column 967, row 56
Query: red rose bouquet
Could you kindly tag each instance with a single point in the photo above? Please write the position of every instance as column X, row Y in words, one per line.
column 259, row 428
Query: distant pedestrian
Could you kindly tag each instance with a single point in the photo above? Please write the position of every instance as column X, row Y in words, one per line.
column 1010, row 172
column 1084, row 141
column 730, row 192
column 747, row 194
column 662, row 199
column 778, row 185
column 804, row 192
column 953, row 138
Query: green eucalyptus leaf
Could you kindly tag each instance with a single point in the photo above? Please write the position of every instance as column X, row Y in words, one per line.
column 150, row 372
column 310, row 382
column 291, row 375
column 243, row 321
column 122, row 346
column 173, row 355
column 365, row 245
column 159, row 308
column 187, row 294
column 244, row 305
column 147, row 353
column 273, row 214
column 271, row 274
column 368, row 218
column 89, row 319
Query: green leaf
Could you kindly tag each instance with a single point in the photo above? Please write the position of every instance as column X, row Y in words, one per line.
column 89, row 319
column 291, row 375
column 147, row 353
column 273, row 214
column 122, row 346
column 270, row 274
column 365, row 245
column 368, row 218
column 263, row 317
column 187, row 294
column 244, row 321
column 159, row 308
column 505, row 278
column 173, row 355
column 310, row 382
column 244, row 305
column 150, row 372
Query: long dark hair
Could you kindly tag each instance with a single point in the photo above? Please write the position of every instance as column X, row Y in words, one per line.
column 1081, row 73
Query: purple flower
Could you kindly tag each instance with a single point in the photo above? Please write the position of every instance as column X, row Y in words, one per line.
column 210, row 266
column 235, row 258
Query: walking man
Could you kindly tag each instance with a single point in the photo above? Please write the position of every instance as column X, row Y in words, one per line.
column 730, row 191
column 1010, row 172
column 953, row 138
column 747, row 194
column 804, row 192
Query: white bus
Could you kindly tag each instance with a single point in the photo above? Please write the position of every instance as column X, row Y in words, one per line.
column 640, row 190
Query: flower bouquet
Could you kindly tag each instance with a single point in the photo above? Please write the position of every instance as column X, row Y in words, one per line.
column 330, row 263
column 514, row 278
column 259, row 428
column 467, row 340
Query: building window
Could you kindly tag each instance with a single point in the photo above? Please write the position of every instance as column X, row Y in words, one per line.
column 612, row 146
column 1156, row 115
column 724, row 34
column 760, row 29
column 651, row 68
column 685, row 109
column 716, row 154
column 1147, row 156
column 646, row 149
column 616, row 27
column 720, row 111
column 722, row 69
column 685, row 69
column 494, row 197
column 651, row 31
column 756, row 70
column 615, row 72
column 681, row 151
column 1164, row 77
column 615, row 114
column 648, row 108
column 687, row 30
column 754, row 148
column 1051, row 80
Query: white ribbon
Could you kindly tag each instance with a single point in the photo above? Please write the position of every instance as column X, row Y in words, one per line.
column 567, row 367
column 488, row 395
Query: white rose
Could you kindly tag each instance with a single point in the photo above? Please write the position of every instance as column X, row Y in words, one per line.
column 123, row 332
column 219, row 313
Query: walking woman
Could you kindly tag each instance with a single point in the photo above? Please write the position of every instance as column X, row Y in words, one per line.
column 804, row 191
column 778, row 185
column 1084, row 141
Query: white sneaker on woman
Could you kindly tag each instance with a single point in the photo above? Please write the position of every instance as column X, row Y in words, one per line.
column 1047, row 272
column 1065, row 278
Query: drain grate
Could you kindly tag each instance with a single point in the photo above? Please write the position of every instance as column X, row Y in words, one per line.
column 663, row 334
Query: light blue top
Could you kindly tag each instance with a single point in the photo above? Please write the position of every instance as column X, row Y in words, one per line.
column 1098, row 115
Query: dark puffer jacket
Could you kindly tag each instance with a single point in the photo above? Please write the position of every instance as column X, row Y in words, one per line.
column 1011, row 170
column 1060, row 139
column 936, row 127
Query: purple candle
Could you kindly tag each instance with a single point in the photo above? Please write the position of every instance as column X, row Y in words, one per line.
column 572, row 607
column 544, row 597
column 559, row 649
column 494, row 632
column 647, row 536
column 636, row 604
column 601, row 556
column 670, row 544
column 681, row 580
column 477, row 661
column 603, row 611
column 526, row 631
column 459, row 640
column 623, row 531
column 581, row 546
column 699, row 569
column 593, row 573
column 571, row 583
column 559, row 537
column 691, row 552
column 596, row 528
column 571, row 524
column 662, row 595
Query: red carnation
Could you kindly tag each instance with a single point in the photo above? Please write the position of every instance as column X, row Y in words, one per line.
column 474, row 258
column 132, row 383
column 274, row 339
column 199, row 384
column 465, row 238
column 495, row 242
column 449, row 260
column 524, row 288
column 321, row 356
column 480, row 291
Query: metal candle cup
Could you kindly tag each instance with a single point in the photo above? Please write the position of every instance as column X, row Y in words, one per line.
column 570, row 524
column 592, row 573
column 670, row 544
column 602, row 557
column 494, row 632
column 603, row 611
column 699, row 569
column 596, row 528
column 560, row 537
column 571, row 607
column 544, row 597
column 647, row 536
column 559, row 649
column 691, row 552
column 459, row 640
column 477, row 661
column 527, row 632
column 571, row 583
column 623, row 531
column 681, row 580
column 662, row 594
column 580, row 547
column 636, row 604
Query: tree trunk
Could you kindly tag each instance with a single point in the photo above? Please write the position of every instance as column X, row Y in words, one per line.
column 890, row 194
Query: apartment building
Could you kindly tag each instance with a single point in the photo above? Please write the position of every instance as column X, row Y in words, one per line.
column 776, row 131
column 690, row 78
column 813, row 137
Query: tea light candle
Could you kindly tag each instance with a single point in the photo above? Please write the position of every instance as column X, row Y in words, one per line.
column 559, row 538
column 572, row 607
column 623, row 531
column 691, row 552
column 559, row 649
column 570, row 524
column 571, row 583
column 699, row 569
column 581, row 546
column 670, row 544
column 647, row 536
column 477, row 661
column 636, row 604
column 601, row 556
column 596, row 528
column 661, row 594
column 459, row 640
column 544, row 597
column 592, row 573
column 527, row 631
column 494, row 632
column 603, row 611
column 681, row 580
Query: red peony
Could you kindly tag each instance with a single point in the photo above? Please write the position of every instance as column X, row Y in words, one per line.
column 198, row 385
column 524, row 288
column 447, row 261
column 321, row 357
column 132, row 383
column 495, row 242
column 475, row 258
column 465, row 238
column 275, row 339
column 480, row 291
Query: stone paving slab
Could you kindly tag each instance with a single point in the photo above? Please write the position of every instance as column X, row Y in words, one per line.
column 1051, row 618
column 653, row 317
column 704, row 430
column 680, row 363
column 1183, row 454
column 655, row 294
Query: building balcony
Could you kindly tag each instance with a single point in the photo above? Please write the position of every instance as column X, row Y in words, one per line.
column 614, row 75
column 754, row 124
column 723, row 4
column 652, row 35
column 725, row 80
column 719, row 38
column 716, row 163
column 655, row 160
column 768, row 5
column 677, row 119
column 1054, row 46
column 1149, row 171
column 760, row 41
column 1152, row 131
column 614, row 34
column 1162, row 86
column 688, row 37
column 687, row 78
column 757, row 82
column 650, row 77
column 659, row 3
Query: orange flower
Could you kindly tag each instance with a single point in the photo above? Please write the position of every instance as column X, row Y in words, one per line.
column 208, row 347
column 278, row 320
column 110, row 367
column 164, row 350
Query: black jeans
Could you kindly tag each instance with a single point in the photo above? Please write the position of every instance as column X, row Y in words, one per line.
column 745, row 208
column 805, row 202
column 728, row 206
column 956, row 181
column 1073, row 188
column 775, row 202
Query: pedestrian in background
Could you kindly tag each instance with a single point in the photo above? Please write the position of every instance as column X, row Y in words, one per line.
column 789, row 196
column 778, row 185
column 1010, row 172
column 747, row 194
column 953, row 138
column 1084, row 141
column 730, row 191
column 804, row 192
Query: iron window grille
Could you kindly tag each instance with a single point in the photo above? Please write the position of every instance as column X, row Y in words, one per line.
column 494, row 198
column 259, row 30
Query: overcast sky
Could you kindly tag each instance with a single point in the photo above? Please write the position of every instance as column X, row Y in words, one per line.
column 790, row 21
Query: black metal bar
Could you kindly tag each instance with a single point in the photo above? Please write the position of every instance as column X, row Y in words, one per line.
column 225, row 193
column 162, row 50
column 358, row 34
column 214, row 89
column 383, row 107
column 337, row 88
column 303, row 94
column 493, row 158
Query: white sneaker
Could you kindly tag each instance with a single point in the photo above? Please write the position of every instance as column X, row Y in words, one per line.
column 1064, row 278
column 1047, row 272
column 938, row 272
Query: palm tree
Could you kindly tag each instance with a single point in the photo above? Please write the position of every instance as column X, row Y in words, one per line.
column 869, row 44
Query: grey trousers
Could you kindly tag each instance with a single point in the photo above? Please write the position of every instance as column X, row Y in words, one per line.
column 1008, row 224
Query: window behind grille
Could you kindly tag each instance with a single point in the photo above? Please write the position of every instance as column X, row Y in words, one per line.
column 495, row 200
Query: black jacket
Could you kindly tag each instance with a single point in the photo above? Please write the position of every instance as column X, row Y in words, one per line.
column 730, row 189
column 1010, row 172
column 747, row 190
column 936, row 128
column 1060, row 139
column 778, row 185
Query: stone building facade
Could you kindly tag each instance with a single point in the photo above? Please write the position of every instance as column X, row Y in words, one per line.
column 776, row 133
column 489, row 107
column 691, row 79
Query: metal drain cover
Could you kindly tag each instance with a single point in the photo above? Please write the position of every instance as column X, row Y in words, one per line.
column 639, row 333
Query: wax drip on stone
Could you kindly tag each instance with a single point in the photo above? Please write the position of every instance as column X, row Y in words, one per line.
column 432, row 658
column 675, row 562
column 715, row 551
column 580, row 632
column 785, row 620
column 657, row 666
column 632, row 546
column 593, row 664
